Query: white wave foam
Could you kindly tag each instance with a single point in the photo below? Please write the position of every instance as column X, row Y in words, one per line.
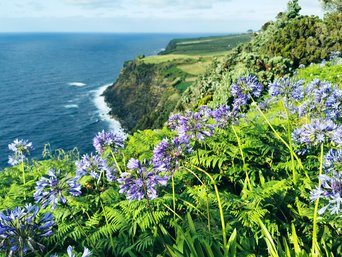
column 104, row 111
column 68, row 106
column 77, row 84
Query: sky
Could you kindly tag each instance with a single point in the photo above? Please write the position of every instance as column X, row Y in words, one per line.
column 151, row 16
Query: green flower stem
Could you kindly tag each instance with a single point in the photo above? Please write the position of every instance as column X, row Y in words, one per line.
column 80, row 226
column 294, row 173
column 173, row 196
column 170, row 209
column 243, row 159
column 159, row 231
column 279, row 137
column 315, row 247
column 116, row 162
column 206, row 194
column 223, row 224
column 23, row 170
column 106, row 219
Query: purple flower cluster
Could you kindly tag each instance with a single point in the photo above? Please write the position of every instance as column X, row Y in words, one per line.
column 333, row 161
column 334, row 58
column 20, row 149
column 323, row 100
column 331, row 182
column 141, row 181
column 104, row 140
column 331, row 190
column 86, row 252
column 192, row 125
column 290, row 91
column 244, row 89
column 168, row 154
column 94, row 166
column 316, row 133
column 51, row 189
column 21, row 230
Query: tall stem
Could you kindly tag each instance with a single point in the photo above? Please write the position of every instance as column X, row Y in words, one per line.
column 243, row 159
column 106, row 219
column 294, row 173
column 116, row 162
column 223, row 223
column 23, row 170
column 173, row 196
column 206, row 195
column 80, row 226
column 279, row 137
column 315, row 247
column 102, row 207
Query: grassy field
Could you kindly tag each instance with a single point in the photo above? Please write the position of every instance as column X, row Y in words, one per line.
column 205, row 45
column 186, row 59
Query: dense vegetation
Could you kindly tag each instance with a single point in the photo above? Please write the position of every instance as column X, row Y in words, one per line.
column 277, row 50
column 256, row 172
column 239, row 180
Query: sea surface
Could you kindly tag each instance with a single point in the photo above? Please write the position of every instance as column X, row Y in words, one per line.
column 51, row 86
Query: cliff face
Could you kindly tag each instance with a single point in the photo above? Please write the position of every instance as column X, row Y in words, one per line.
column 149, row 88
column 141, row 97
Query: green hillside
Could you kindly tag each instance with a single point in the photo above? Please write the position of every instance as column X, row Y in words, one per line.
column 205, row 45
column 165, row 77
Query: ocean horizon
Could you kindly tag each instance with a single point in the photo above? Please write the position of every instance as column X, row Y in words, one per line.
column 51, row 85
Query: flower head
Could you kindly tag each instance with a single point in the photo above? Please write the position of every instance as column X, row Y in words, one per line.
column 104, row 140
column 51, row 189
column 141, row 181
column 20, row 149
column 324, row 100
column 193, row 125
column 316, row 133
column 94, row 166
column 168, row 154
column 330, row 190
column 333, row 161
column 86, row 252
column 244, row 89
column 21, row 230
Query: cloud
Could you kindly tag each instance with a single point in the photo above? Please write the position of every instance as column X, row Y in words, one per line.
column 94, row 3
column 151, row 4
column 193, row 4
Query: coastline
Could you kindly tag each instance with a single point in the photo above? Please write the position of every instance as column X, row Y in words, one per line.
column 104, row 110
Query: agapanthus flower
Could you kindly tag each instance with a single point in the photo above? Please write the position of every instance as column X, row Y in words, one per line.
column 193, row 125
column 324, row 100
column 244, row 89
column 86, row 252
column 95, row 166
column 51, row 189
column 318, row 132
column 104, row 140
column 331, row 190
column 288, row 89
column 333, row 161
column 223, row 116
column 301, row 66
column 21, row 230
column 20, row 149
column 323, row 63
column 334, row 58
column 141, row 181
column 168, row 154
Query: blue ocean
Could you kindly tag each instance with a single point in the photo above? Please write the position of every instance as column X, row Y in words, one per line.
column 51, row 85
